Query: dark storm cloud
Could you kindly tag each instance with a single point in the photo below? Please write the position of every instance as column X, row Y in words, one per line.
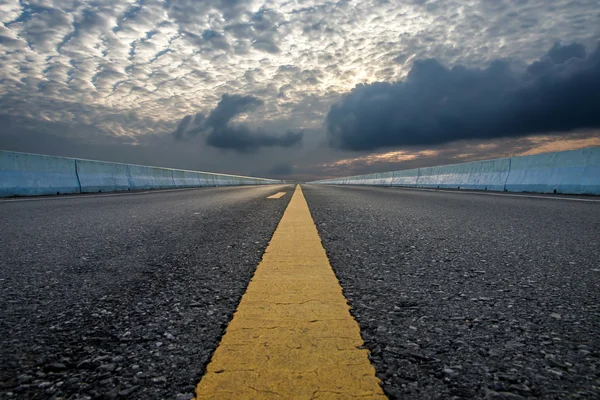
column 221, row 133
column 189, row 126
column 229, row 107
column 281, row 169
column 243, row 139
column 435, row 104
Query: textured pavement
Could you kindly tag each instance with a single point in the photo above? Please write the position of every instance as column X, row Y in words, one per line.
column 469, row 295
column 457, row 295
column 292, row 336
column 124, row 296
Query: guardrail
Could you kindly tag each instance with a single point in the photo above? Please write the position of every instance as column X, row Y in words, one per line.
column 569, row 172
column 26, row 174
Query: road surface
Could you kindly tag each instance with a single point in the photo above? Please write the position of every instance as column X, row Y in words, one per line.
column 457, row 294
column 124, row 295
column 469, row 295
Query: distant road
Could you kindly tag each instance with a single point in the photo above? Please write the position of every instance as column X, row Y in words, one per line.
column 124, row 295
column 462, row 295
column 457, row 294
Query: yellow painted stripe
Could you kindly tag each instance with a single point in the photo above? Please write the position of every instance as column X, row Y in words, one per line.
column 276, row 195
column 292, row 336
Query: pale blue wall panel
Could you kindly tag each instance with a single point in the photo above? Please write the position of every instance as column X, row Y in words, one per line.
column 100, row 176
column 24, row 174
column 575, row 171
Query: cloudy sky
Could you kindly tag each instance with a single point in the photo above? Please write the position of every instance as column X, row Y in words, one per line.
column 298, row 89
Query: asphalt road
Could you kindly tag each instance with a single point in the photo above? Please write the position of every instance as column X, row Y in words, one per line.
column 126, row 295
column 458, row 295
column 469, row 295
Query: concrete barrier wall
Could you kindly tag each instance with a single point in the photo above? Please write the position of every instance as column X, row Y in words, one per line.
column 99, row 176
column 24, row 174
column 407, row 178
column 142, row 177
column 574, row 172
column 183, row 178
column 478, row 175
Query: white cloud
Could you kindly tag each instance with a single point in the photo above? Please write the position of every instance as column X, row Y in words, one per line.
column 154, row 62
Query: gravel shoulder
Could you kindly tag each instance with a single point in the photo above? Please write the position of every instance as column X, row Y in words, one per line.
column 469, row 296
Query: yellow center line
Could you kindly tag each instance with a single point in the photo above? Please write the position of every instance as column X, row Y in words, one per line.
column 277, row 195
column 292, row 336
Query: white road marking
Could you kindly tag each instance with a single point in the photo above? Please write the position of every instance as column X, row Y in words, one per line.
column 277, row 195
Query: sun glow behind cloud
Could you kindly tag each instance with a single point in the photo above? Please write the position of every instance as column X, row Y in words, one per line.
column 388, row 157
column 461, row 152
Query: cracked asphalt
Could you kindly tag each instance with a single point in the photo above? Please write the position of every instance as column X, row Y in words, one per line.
column 469, row 295
column 124, row 296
